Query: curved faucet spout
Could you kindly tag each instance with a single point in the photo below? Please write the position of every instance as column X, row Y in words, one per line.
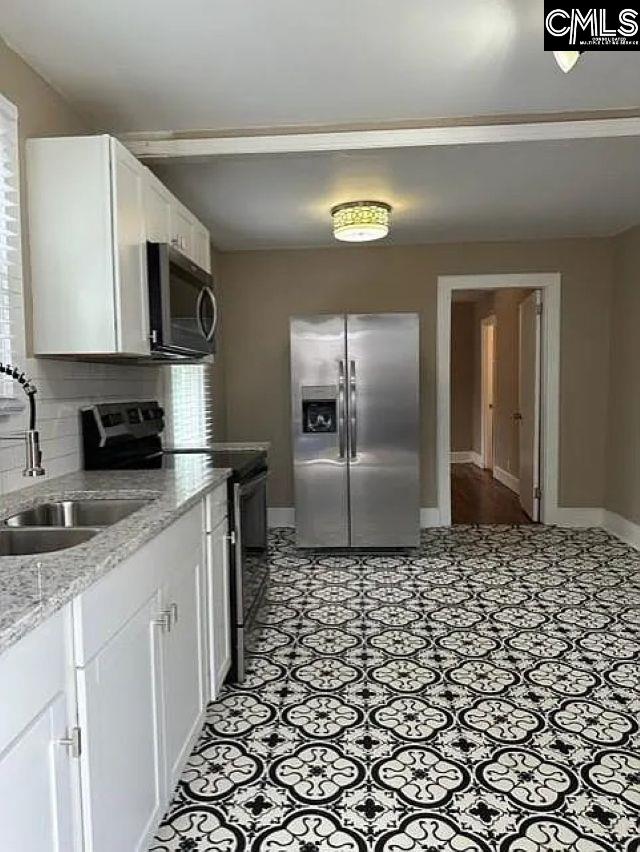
column 33, row 466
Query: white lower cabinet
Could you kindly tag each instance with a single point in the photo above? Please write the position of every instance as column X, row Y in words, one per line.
column 38, row 809
column 218, row 605
column 107, row 696
column 122, row 784
column 183, row 659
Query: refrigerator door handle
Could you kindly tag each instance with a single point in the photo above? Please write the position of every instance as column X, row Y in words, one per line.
column 353, row 411
column 341, row 410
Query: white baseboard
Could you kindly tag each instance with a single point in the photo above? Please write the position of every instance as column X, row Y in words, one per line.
column 507, row 479
column 578, row 517
column 429, row 517
column 626, row 530
column 622, row 528
column 466, row 457
column 281, row 517
column 461, row 457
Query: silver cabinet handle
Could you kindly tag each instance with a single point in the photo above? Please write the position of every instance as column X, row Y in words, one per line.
column 73, row 741
column 353, row 411
column 230, row 537
column 174, row 612
column 341, row 410
column 163, row 621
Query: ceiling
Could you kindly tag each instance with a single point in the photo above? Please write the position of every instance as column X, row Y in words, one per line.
column 242, row 65
column 215, row 64
column 450, row 194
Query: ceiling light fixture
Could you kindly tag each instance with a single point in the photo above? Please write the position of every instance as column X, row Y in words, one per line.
column 566, row 59
column 361, row 221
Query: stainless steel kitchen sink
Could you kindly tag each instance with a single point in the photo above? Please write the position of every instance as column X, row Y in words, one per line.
column 25, row 542
column 76, row 513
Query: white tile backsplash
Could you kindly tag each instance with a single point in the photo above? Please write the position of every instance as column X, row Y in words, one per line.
column 64, row 387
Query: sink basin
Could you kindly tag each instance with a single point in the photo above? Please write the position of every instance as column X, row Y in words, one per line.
column 16, row 542
column 76, row 513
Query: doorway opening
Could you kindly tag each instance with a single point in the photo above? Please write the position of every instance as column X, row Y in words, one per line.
column 498, row 383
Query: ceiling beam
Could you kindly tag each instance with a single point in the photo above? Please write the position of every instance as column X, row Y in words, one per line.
column 155, row 146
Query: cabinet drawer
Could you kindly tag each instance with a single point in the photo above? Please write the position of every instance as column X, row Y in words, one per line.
column 106, row 606
column 216, row 507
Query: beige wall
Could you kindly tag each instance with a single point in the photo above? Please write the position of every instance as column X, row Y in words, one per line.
column 260, row 290
column 464, row 361
column 41, row 112
column 623, row 475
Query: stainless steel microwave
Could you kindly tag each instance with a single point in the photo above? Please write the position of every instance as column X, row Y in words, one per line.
column 183, row 311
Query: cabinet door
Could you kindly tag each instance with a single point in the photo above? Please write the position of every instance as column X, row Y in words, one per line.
column 157, row 209
column 183, row 666
column 36, row 805
column 218, row 607
column 130, row 250
column 120, row 718
column 182, row 229
column 201, row 247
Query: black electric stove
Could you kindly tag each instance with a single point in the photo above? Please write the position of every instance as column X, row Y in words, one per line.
column 127, row 436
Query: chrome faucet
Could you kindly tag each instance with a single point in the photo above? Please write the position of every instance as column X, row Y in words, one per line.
column 33, row 465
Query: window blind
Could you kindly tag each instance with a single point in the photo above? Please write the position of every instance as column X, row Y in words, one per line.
column 10, row 251
column 190, row 406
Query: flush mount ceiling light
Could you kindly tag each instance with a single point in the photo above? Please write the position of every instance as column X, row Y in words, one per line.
column 566, row 59
column 361, row 221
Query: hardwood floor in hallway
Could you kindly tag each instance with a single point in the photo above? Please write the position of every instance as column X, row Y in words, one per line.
column 478, row 498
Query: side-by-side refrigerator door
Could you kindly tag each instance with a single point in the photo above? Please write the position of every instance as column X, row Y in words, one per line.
column 383, row 385
column 318, row 416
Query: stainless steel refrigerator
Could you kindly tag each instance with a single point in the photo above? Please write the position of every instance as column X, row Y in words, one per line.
column 355, row 396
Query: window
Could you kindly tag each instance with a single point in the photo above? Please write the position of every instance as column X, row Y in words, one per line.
column 12, row 344
column 189, row 406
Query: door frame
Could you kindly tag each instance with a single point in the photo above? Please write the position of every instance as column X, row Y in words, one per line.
column 550, row 285
column 486, row 323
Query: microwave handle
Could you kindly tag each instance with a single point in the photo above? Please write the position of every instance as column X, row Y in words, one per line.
column 207, row 291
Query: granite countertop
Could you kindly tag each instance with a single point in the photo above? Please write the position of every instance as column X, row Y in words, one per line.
column 33, row 587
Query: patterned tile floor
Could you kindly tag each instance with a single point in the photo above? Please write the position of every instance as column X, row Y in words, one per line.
column 478, row 695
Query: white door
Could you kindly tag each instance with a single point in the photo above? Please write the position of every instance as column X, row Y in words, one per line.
column 218, row 599
column 488, row 366
column 36, row 804
column 183, row 660
column 120, row 720
column 129, row 233
column 529, row 403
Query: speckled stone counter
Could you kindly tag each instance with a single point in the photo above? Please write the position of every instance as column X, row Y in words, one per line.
column 33, row 587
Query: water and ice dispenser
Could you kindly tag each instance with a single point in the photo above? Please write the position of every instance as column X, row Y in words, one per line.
column 319, row 409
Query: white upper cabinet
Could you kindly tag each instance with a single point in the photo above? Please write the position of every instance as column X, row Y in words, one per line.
column 92, row 208
column 189, row 236
column 87, row 237
column 157, row 208
column 201, row 246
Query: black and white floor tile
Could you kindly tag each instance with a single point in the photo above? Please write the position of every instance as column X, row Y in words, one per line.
column 478, row 695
